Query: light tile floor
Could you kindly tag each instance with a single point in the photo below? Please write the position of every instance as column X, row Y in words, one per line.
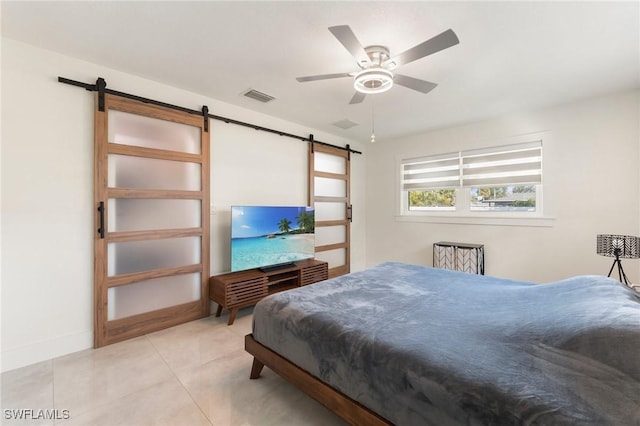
column 192, row 374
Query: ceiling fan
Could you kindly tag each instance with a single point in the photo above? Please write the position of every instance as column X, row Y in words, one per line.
column 376, row 65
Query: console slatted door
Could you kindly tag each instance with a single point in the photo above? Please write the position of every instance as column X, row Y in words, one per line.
column 313, row 274
column 329, row 193
column 152, row 219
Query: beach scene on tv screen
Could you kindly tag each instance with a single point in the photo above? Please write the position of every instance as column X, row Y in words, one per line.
column 267, row 235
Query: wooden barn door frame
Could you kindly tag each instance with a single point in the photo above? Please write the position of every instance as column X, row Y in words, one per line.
column 346, row 200
column 110, row 331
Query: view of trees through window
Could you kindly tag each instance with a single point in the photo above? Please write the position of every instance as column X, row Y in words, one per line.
column 510, row 198
column 494, row 198
column 444, row 199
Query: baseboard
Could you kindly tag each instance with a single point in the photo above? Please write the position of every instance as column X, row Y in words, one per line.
column 45, row 350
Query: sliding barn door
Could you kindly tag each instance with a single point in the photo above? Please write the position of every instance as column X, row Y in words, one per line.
column 329, row 187
column 152, row 219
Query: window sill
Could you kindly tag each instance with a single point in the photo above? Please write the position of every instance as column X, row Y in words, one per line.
column 480, row 220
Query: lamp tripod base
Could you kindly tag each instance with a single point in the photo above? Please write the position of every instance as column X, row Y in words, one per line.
column 621, row 275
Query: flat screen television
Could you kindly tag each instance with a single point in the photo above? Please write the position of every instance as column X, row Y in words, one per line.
column 271, row 236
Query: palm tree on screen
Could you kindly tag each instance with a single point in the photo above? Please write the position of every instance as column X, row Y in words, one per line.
column 306, row 221
column 284, row 225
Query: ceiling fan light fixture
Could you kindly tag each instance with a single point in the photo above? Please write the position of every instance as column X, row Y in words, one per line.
column 372, row 81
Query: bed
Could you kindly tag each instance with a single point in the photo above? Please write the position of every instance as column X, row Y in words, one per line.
column 412, row 345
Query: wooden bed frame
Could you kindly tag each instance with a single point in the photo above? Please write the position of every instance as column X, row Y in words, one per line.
column 348, row 409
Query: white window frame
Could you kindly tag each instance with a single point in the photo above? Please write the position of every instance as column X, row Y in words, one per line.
column 462, row 214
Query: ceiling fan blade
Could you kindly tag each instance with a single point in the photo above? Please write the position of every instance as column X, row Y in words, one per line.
column 348, row 39
column 322, row 77
column 357, row 98
column 422, row 86
column 426, row 48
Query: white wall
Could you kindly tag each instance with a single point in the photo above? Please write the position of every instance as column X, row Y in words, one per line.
column 47, row 180
column 592, row 186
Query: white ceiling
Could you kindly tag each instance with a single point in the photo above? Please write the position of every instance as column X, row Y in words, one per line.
column 512, row 55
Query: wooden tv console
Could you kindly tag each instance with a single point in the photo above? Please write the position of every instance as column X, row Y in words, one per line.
column 237, row 290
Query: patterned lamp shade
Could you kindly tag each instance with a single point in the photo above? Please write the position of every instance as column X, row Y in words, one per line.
column 621, row 246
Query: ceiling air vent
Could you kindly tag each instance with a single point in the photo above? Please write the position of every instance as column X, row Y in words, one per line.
column 258, row 96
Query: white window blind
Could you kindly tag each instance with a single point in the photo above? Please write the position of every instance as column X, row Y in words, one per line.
column 505, row 165
column 439, row 171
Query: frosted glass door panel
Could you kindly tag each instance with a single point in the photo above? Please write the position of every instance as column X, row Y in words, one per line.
column 139, row 256
column 150, row 173
column 335, row 258
column 329, row 163
column 330, row 187
column 146, row 296
column 147, row 132
column 325, row 235
column 141, row 214
column 330, row 211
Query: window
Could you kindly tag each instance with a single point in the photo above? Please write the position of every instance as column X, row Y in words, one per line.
column 520, row 198
column 434, row 199
column 506, row 180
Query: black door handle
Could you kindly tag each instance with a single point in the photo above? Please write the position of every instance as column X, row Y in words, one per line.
column 101, row 211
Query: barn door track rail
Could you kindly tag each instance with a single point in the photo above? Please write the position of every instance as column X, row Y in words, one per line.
column 100, row 86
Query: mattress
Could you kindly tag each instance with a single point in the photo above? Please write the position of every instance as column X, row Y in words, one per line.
column 425, row 346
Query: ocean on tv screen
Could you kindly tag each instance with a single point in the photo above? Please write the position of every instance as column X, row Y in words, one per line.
column 255, row 252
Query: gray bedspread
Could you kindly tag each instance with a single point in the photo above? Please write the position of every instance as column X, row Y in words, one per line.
column 424, row 346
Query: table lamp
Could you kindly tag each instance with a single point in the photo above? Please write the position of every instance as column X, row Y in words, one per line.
column 620, row 247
